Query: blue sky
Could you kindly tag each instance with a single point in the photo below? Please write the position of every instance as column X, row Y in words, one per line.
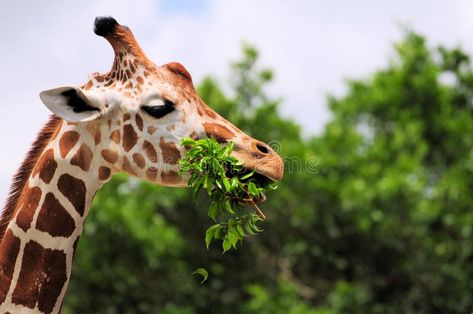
column 312, row 45
column 179, row 6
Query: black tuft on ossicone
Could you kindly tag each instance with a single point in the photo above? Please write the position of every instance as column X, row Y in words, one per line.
column 104, row 25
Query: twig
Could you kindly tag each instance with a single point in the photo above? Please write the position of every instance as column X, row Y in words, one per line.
column 259, row 212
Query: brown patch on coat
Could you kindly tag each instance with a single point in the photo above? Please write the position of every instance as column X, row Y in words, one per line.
column 92, row 128
column 151, row 173
column 97, row 136
column 46, row 166
column 27, row 207
column 171, row 154
column 67, row 142
column 42, row 276
column 140, row 80
column 88, row 85
column 208, row 112
column 126, row 117
column 23, row 173
column 126, row 166
column 83, row 157
column 170, row 177
column 139, row 160
column 150, row 151
column 115, row 136
column 139, row 122
column 200, row 111
column 219, row 132
column 56, row 132
column 109, row 155
column 74, row 190
column 54, row 219
column 151, row 130
column 10, row 246
column 130, row 138
column 104, row 173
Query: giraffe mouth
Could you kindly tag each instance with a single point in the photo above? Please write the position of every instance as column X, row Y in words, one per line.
column 261, row 181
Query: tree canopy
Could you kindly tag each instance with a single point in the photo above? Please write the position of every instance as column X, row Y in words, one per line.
column 374, row 215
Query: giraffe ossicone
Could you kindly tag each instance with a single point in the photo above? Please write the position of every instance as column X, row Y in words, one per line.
column 130, row 119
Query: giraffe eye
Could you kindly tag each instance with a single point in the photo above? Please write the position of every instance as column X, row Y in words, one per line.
column 159, row 108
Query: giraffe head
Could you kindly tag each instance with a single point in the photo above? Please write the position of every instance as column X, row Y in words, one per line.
column 139, row 112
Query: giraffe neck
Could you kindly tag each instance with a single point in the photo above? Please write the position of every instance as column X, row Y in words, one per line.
column 38, row 245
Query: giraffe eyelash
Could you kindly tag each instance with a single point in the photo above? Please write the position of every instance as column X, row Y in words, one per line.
column 159, row 111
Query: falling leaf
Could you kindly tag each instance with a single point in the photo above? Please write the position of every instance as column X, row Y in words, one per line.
column 203, row 273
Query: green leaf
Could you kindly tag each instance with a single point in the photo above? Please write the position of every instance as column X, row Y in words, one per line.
column 213, row 211
column 203, row 273
column 228, row 207
column 240, row 231
column 206, row 181
column 256, row 228
column 253, row 189
column 249, row 230
column 246, row 176
column 187, row 141
column 226, row 183
column 219, row 184
column 234, row 183
column 210, row 234
column 219, row 232
column 233, row 236
column 226, row 245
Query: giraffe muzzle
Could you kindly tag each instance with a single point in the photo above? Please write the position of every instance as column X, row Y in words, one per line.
column 261, row 158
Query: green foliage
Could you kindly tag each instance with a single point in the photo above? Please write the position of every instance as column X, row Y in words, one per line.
column 374, row 215
column 211, row 167
column 283, row 300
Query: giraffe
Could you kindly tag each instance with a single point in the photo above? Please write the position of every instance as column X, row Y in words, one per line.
column 130, row 119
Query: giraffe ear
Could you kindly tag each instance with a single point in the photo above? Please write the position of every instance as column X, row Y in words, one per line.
column 70, row 104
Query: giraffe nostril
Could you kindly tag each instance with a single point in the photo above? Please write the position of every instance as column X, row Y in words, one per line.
column 263, row 148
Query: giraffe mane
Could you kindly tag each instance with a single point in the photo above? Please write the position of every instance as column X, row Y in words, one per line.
column 23, row 173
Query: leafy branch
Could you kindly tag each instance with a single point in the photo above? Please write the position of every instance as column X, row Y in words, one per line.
column 228, row 183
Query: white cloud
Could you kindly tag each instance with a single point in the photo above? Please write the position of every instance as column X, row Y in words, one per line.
column 312, row 45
